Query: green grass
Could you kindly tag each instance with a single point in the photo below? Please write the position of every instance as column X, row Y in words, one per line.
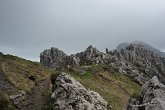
column 116, row 88
column 5, row 102
column 113, row 86
column 19, row 70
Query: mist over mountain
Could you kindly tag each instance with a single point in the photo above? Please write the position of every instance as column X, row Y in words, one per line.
column 28, row 27
column 90, row 79
column 82, row 55
column 144, row 45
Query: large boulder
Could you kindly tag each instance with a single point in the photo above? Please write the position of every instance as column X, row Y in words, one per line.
column 54, row 58
column 71, row 95
column 154, row 92
column 18, row 99
column 153, row 96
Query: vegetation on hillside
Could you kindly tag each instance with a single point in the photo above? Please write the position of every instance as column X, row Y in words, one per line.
column 115, row 87
column 5, row 102
column 22, row 73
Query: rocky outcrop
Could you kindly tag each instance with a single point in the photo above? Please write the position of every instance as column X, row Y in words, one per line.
column 73, row 60
column 145, row 46
column 154, row 92
column 138, row 60
column 54, row 58
column 153, row 96
column 93, row 56
column 18, row 99
column 71, row 95
column 144, row 60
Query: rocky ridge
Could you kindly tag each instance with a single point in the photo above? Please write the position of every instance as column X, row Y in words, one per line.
column 93, row 56
column 71, row 95
column 145, row 61
column 135, row 59
column 152, row 96
column 56, row 58
column 145, row 45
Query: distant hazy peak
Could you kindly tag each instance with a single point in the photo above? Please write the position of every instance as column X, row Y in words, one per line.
column 122, row 45
column 143, row 45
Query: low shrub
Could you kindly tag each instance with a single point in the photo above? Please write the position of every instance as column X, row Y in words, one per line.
column 4, row 101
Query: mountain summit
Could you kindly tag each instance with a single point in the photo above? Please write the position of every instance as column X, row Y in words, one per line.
column 89, row 80
column 143, row 45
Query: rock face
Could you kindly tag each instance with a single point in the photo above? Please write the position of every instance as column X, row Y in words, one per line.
column 73, row 60
column 93, row 56
column 153, row 96
column 54, row 58
column 145, row 46
column 144, row 59
column 71, row 95
column 137, row 59
column 18, row 99
column 154, row 92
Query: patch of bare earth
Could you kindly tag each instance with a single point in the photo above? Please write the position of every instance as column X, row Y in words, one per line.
column 36, row 100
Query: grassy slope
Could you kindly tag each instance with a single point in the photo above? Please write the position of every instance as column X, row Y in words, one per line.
column 113, row 86
column 18, row 70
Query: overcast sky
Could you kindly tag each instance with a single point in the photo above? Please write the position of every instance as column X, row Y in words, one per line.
column 27, row 27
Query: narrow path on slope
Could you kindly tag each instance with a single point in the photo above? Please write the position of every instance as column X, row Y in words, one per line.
column 36, row 100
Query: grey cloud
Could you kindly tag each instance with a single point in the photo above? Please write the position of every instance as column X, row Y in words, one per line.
column 27, row 27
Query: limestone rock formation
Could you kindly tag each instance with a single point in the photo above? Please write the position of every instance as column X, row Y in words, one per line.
column 154, row 92
column 145, row 46
column 71, row 95
column 93, row 56
column 73, row 60
column 153, row 96
column 54, row 58
column 144, row 59
column 18, row 99
column 136, row 59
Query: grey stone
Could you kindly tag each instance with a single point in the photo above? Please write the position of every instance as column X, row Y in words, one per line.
column 74, row 60
column 154, row 91
column 142, row 58
column 70, row 95
column 18, row 98
column 93, row 56
column 153, row 96
column 54, row 58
